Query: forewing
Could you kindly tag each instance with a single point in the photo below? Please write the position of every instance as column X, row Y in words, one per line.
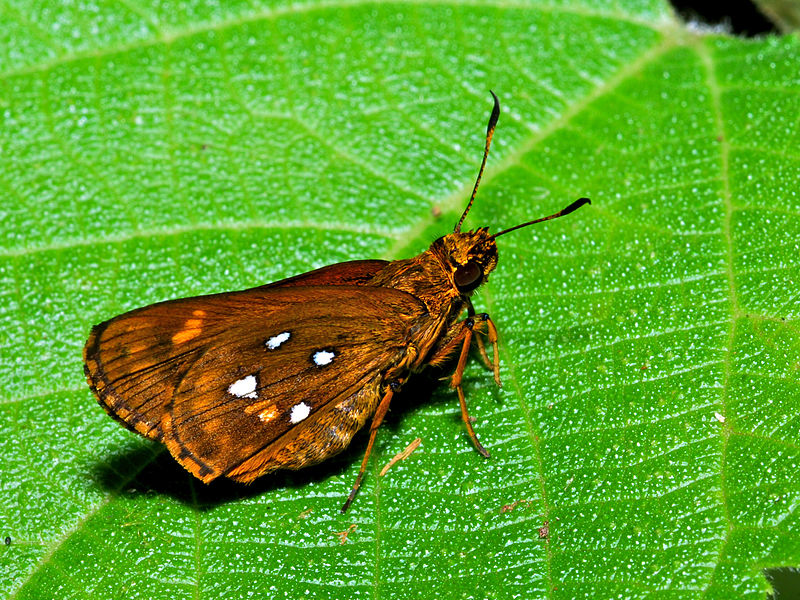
column 134, row 362
column 351, row 272
column 221, row 379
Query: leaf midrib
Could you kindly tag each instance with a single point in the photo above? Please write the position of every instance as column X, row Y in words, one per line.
column 708, row 63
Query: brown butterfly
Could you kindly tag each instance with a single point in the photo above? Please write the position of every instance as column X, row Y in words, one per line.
column 283, row 375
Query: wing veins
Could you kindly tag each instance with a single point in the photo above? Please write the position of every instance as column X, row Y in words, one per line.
column 346, row 393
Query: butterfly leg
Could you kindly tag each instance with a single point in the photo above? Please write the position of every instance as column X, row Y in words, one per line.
column 485, row 357
column 492, row 365
column 380, row 413
column 479, row 339
column 463, row 337
column 468, row 325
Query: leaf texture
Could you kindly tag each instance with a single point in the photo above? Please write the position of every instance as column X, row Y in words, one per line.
column 649, row 344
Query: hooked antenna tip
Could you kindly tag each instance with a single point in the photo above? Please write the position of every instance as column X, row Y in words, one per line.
column 575, row 206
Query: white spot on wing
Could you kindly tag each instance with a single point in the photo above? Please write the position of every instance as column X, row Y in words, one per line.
column 277, row 340
column 323, row 357
column 299, row 412
column 244, row 388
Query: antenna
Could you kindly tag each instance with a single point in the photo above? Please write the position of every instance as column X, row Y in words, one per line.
column 489, row 133
column 571, row 208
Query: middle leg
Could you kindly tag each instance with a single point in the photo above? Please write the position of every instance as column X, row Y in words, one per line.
column 461, row 338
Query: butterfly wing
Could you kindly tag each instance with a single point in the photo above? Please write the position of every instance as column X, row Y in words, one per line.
column 352, row 272
column 241, row 383
column 146, row 363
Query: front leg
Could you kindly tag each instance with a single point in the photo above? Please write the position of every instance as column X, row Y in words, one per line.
column 493, row 365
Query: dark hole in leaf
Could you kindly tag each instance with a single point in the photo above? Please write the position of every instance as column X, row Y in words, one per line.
column 785, row 582
column 741, row 17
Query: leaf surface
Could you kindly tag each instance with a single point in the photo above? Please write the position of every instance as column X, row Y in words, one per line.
column 649, row 343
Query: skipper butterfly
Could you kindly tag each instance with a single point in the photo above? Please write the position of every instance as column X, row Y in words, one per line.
column 282, row 376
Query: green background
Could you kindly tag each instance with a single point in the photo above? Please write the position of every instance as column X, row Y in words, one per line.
column 650, row 346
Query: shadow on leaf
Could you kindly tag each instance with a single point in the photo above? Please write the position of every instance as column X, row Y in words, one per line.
column 148, row 468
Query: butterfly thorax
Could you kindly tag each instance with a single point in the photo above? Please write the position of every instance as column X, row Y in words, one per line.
column 444, row 276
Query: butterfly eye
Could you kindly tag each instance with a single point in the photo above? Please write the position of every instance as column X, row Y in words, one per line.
column 467, row 277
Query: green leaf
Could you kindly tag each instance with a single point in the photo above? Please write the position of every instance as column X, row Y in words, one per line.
column 649, row 343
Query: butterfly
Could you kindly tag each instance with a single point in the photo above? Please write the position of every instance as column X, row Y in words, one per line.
column 282, row 376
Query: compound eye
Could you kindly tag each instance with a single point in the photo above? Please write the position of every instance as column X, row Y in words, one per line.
column 467, row 277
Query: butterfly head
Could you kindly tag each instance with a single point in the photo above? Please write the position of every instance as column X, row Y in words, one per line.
column 470, row 256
